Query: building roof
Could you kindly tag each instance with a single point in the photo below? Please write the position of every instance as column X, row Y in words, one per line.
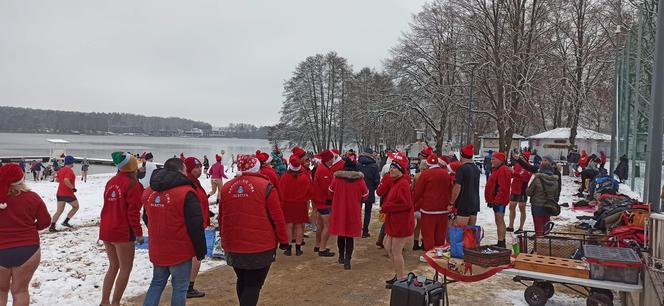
column 563, row 133
column 57, row 141
column 494, row 134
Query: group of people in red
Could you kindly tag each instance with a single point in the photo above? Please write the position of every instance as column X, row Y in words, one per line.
column 260, row 211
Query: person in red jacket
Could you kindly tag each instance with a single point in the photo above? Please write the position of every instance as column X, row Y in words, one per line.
column 194, row 171
column 120, row 225
column 65, row 194
column 22, row 215
column 518, row 197
column 251, row 224
column 348, row 191
column 399, row 213
column 431, row 196
column 294, row 193
column 497, row 192
column 266, row 168
column 175, row 227
column 330, row 163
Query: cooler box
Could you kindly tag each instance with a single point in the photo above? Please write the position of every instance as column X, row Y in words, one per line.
column 406, row 293
column 613, row 264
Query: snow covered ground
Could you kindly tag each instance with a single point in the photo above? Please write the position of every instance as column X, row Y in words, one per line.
column 73, row 261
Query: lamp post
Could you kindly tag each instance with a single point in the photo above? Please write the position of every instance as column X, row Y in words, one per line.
column 469, row 136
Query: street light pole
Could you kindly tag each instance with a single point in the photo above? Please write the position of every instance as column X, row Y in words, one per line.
column 654, row 178
column 469, row 136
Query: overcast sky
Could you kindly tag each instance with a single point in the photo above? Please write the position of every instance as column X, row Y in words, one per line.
column 210, row 60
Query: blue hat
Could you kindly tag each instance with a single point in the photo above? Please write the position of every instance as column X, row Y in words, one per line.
column 69, row 160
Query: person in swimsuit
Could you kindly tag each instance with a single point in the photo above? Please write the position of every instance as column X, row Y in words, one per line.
column 19, row 237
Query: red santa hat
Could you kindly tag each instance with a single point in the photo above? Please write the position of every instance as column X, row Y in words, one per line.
column 335, row 151
column 400, row 161
column 9, row 174
column 191, row 163
column 526, row 155
column 263, row 157
column 217, row 157
column 326, row 156
column 294, row 163
column 427, row 151
column 248, row 163
column 499, row 156
column 299, row 152
column 468, row 151
column 432, row 160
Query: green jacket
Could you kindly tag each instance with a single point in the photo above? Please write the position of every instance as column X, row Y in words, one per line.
column 542, row 185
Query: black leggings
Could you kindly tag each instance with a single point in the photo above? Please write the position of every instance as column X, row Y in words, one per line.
column 249, row 284
column 346, row 246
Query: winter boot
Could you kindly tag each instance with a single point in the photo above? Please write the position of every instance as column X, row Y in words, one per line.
column 347, row 263
column 52, row 228
column 379, row 242
column 501, row 244
column 289, row 250
column 298, row 250
column 66, row 223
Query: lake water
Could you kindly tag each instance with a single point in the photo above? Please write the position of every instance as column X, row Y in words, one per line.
column 92, row 146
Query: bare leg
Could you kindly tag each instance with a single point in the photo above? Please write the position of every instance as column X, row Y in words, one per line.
column 58, row 212
column 125, row 252
column 387, row 242
column 462, row 221
column 299, row 233
column 319, row 231
column 74, row 209
column 195, row 268
column 213, row 190
column 513, row 214
column 111, row 273
column 522, row 210
column 472, row 221
column 5, row 278
column 21, row 277
column 289, row 231
column 397, row 256
column 324, row 236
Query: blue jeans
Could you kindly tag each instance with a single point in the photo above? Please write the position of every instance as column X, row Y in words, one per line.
column 180, row 282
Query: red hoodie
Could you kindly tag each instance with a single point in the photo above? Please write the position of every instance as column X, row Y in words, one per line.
column 432, row 191
column 497, row 190
column 120, row 219
column 397, row 206
column 520, row 179
column 24, row 215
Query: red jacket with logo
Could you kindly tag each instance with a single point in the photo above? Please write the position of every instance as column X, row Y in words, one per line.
column 120, row 219
column 322, row 181
column 397, row 206
column 170, row 243
column 497, row 190
column 432, row 191
column 520, row 179
column 20, row 220
column 250, row 216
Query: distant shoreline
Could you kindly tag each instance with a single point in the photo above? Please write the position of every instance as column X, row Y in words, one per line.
column 134, row 135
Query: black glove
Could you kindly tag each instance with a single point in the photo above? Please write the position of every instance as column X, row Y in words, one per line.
column 283, row 246
column 73, row 189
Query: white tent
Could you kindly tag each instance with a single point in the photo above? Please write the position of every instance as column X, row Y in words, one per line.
column 556, row 142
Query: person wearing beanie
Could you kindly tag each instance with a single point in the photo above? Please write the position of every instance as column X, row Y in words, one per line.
column 544, row 186
column 487, row 164
column 252, row 225
column 22, row 215
column 175, row 225
column 295, row 193
column 146, row 169
column 85, row 167
column 277, row 161
column 368, row 165
column 399, row 214
column 497, row 193
column 431, row 195
column 348, row 190
column 465, row 197
column 65, row 194
column 330, row 163
column 546, row 160
column 194, row 172
column 217, row 175
column 266, row 168
column 120, row 225
column 351, row 155
column 518, row 197
column 206, row 166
